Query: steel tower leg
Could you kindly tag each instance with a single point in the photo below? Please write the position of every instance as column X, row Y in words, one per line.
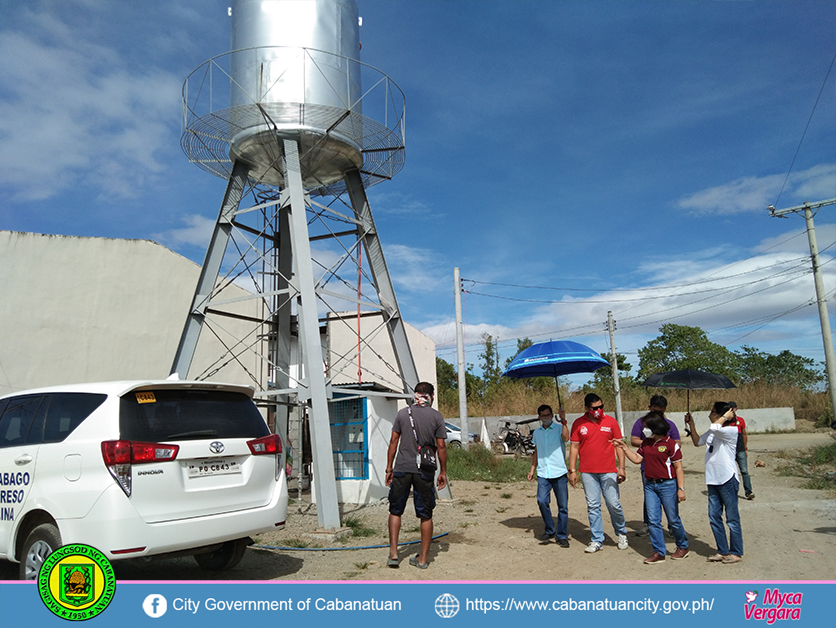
column 210, row 269
column 382, row 280
column 325, row 482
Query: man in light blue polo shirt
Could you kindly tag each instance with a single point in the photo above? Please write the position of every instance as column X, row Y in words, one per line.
column 549, row 462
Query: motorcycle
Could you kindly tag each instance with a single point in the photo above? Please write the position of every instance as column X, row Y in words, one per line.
column 514, row 441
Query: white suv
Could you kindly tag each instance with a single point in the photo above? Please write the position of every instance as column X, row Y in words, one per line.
column 137, row 469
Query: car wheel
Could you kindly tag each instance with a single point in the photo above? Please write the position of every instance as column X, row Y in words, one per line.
column 455, row 444
column 40, row 543
column 229, row 555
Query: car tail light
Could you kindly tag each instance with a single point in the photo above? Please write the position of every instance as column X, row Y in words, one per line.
column 271, row 444
column 120, row 455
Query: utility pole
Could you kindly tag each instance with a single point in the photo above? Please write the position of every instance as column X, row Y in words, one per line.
column 829, row 360
column 460, row 356
column 614, row 363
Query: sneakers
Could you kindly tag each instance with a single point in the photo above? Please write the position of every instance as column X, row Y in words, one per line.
column 750, row 496
column 654, row 559
column 563, row 542
column 622, row 541
column 593, row 547
column 681, row 552
column 731, row 559
column 644, row 531
column 717, row 558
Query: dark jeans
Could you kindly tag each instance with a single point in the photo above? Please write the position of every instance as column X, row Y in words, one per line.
column 560, row 486
column 724, row 497
column 743, row 465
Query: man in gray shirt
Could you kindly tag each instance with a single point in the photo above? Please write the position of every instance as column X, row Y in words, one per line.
column 416, row 425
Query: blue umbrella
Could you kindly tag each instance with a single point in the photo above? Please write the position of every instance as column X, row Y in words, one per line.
column 554, row 358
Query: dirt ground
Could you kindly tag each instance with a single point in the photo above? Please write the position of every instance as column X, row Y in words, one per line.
column 489, row 533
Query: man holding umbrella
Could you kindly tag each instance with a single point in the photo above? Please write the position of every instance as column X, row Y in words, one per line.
column 591, row 438
column 549, row 463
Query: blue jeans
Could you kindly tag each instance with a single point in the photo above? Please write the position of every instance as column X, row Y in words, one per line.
column 743, row 465
column 561, row 492
column 594, row 485
column 662, row 496
column 720, row 497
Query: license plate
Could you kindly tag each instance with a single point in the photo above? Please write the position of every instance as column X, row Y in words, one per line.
column 213, row 466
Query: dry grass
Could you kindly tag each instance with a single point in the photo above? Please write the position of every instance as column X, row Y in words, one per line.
column 512, row 398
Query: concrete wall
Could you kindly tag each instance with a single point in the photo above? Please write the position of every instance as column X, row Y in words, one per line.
column 757, row 420
column 78, row 309
column 376, row 353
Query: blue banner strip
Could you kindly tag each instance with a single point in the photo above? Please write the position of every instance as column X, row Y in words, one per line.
column 448, row 604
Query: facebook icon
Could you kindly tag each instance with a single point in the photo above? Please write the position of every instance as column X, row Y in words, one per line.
column 155, row 605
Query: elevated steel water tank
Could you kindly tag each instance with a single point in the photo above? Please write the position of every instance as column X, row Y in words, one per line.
column 294, row 73
column 298, row 79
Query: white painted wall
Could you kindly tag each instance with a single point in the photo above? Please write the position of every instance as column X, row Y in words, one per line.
column 378, row 355
column 77, row 309
column 382, row 413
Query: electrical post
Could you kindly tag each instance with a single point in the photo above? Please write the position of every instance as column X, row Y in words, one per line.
column 614, row 363
column 460, row 358
column 821, row 298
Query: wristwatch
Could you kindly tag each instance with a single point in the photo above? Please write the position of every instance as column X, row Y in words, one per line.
column 681, row 488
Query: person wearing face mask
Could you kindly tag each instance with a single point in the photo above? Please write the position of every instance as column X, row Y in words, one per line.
column 415, row 427
column 639, row 433
column 664, row 486
column 722, row 480
column 549, row 463
column 591, row 438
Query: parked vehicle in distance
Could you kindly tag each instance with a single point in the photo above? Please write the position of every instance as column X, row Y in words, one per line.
column 137, row 469
column 454, row 436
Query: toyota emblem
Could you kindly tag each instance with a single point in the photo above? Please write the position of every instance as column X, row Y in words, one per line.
column 216, row 447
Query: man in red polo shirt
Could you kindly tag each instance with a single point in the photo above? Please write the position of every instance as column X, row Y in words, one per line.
column 591, row 438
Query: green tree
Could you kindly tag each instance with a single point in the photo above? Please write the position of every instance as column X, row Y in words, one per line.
column 683, row 347
column 522, row 345
column 490, row 361
column 602, row 378
column 783, row 369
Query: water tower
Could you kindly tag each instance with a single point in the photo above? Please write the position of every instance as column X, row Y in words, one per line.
column 299, row 128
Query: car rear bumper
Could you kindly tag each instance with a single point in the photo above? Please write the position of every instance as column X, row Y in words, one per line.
column 115, row 528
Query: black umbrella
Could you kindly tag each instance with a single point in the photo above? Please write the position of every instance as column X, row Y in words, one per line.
column 688, row 379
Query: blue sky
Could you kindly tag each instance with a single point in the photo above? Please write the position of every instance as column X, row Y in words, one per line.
column 620, row 153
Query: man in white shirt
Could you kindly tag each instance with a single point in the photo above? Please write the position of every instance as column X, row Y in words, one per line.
column 722, row 480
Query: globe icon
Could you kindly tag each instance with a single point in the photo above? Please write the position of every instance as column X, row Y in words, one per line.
column 446, row 606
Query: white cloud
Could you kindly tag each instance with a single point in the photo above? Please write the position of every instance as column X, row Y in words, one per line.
column 73, row 113
column 728, row 299
column 415, row 269
column 197, row 232
column 750, row 194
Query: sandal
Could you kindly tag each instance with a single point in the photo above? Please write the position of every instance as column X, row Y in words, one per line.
column 414, row 562
column 394, row 563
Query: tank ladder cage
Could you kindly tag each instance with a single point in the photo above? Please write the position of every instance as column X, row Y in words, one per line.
column 373, row 123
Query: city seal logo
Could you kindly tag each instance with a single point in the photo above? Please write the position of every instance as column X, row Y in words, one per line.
column 76, row 582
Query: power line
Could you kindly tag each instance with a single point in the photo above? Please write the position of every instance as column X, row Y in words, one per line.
column 807, row 126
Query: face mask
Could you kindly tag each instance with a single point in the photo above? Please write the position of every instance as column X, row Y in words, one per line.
column 597, row 413
column 546, row 422
column 647, row 433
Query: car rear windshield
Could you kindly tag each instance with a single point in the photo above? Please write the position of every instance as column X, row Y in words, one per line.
column 164, row 415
